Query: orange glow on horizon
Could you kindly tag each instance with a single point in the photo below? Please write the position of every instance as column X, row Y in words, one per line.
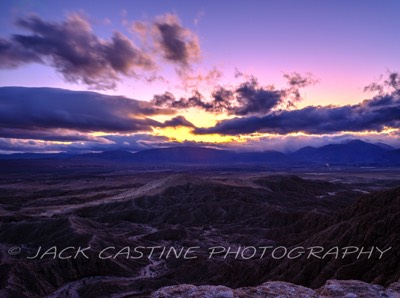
column 182, row 134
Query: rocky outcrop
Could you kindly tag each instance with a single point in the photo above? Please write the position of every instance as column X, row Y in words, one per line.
column 332, row 289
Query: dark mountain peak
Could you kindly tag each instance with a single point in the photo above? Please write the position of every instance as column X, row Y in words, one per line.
column 352, row 151
column 355, row 142
column 360, row 143
column 113, row 155
column 182, row 154
column 306, row 149
column 384, row 146
column 116, row 154
column 29, row 155
column 190, row 154
column 111, row 152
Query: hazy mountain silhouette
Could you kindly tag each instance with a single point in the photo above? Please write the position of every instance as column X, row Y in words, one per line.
column 186, row 154
column 205, row 155
column 354, row 151
column 183, row 154
column 351, row 152
column 36, row 155
column 384, row 146
column 115, row 155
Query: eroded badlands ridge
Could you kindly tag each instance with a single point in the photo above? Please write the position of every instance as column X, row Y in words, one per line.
column 109, row 209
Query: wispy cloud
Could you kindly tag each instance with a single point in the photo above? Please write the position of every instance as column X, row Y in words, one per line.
column 176, row 43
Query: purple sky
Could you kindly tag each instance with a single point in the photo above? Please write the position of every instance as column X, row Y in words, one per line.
column 139, row 49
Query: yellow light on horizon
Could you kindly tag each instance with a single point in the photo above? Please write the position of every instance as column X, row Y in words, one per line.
column 182, row 134
column 197, row 117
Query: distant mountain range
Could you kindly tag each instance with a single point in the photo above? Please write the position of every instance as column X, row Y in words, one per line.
column 354, row 151
column 351, row 152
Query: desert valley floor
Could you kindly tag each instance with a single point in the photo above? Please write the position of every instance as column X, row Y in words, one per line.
column 123, row 209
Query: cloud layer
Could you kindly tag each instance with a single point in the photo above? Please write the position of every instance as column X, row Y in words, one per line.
column 42, row 111
column 370, row 115
column 45, row 108
column 74, row 50
column 31, row 119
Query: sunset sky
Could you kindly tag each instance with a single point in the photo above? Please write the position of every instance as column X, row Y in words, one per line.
column 245, row 75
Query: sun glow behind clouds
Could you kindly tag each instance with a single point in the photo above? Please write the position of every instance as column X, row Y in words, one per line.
column 198, row 118
column 184, row 134
column 334, row 54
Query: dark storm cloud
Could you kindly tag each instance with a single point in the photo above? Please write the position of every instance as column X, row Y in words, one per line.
column 75, row 51
column 13, row 55
column 48, row 108
column 176, row 43
column 374, row 115
column 168, row 100
column 253, row 99
column 178, row 121
column 249, row 98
